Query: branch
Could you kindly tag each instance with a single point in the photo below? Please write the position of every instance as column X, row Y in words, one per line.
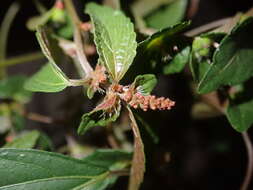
column 78, row 38
column 21, row 59
column 249, row 172
column 207, row 27
column 39, row 118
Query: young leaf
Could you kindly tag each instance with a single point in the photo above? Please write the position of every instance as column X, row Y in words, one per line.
column 114, row 37
column 12, row 88
column 178, row 62
column 97, row 118
column 232, row 61
column 27, row 140
column 201, row 56
column 145, row 83
column 47, row 79
column 167, row 15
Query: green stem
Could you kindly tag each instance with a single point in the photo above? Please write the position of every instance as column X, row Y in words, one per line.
column 21, row 59
column 85, row 65
column 4, row 31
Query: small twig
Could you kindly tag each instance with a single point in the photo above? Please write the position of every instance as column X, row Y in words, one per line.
column 124, row 172
column 111, row 139
column 78, row 38
column 21, row 59
column 207, row 27
column 39, row 118
column 249, row 172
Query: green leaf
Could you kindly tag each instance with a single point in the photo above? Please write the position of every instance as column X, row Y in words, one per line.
column 201, row 57
column 12, row 88
column 114, row 37
column 47, row 79
column 98, row 118
column 158, row 50
column 167, row 15
column 145, row 83
column 240, row 115
column 27, row 140
column 66, row 30
column 35, row 169
column 240, row 109
column 232, row 61
column 110, row 159
column 178, row 62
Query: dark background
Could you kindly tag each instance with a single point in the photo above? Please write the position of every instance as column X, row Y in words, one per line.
column 192, row 154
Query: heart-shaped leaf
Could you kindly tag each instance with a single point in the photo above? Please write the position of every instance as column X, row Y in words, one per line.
column 47, row 79
column 114, row 37
column 232, row 61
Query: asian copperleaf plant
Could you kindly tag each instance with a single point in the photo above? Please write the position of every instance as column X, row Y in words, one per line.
column 116, row 45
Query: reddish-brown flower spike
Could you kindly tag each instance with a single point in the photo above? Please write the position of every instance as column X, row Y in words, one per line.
column 137, row 100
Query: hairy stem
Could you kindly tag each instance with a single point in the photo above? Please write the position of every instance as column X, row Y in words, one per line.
column 85, row 65
column 249, row 171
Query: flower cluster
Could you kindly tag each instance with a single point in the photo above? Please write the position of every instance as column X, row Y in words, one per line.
column 150, row 102
column 98, row 77
column 136, row 100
